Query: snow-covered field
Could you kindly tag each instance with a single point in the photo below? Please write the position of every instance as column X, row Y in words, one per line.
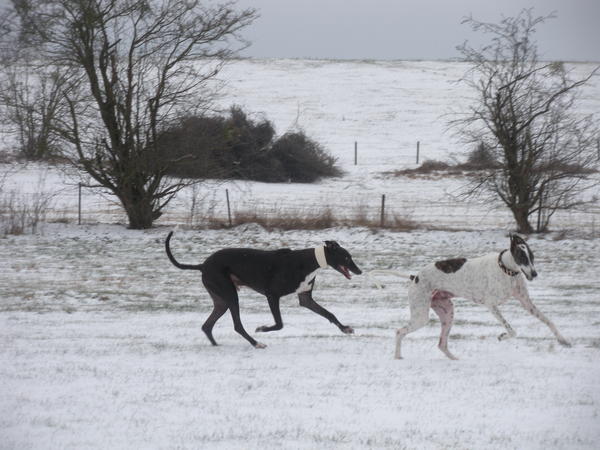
column 101, row 347
column 100, row 340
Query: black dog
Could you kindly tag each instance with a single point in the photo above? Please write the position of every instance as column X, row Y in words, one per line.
column 271, row 273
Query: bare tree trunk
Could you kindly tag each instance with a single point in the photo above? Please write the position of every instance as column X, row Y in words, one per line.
column 521, row 216
column 140, row 206
column 139, row 213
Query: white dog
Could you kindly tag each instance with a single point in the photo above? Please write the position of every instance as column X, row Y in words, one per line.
column 489, row 280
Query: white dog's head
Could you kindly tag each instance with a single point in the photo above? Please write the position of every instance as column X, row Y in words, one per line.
column 523, row 256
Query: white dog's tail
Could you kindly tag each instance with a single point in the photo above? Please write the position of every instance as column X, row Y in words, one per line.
column 387, row 272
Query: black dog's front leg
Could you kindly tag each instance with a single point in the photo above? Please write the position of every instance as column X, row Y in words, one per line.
column 274, row 305
column 307, row 301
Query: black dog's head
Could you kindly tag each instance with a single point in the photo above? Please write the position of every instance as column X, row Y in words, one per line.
column 339, row 258
column 523, row 256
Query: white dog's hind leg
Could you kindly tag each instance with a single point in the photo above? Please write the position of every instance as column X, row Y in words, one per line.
column 510, row 333
column 413, row 325
column 419, row 316
column 441, row 303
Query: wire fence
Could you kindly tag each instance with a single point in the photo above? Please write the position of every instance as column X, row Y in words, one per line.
column 197, row 207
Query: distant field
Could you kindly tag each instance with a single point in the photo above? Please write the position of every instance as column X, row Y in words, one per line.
column 386, row 107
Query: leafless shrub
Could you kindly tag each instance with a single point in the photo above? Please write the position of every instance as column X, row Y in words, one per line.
column 21, row 213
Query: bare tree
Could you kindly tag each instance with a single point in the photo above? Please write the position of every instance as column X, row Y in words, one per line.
column 31, row 99
column 523, row 115
column 30, row 92
column 132, row 67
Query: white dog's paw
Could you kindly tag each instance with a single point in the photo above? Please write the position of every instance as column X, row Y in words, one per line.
column 505, row 336
column 565, row 343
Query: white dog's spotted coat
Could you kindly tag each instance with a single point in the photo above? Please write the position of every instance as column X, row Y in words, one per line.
column 488, row 280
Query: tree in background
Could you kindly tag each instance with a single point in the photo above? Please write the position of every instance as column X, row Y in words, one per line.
column 30, row 92
column 237, row 146
column 130, row 68
column 543, row 152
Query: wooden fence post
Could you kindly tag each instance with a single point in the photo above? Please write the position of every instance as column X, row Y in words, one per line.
column 228, row 206
column 418, row 145
column 355, row 153
column 79, row 206
column 382, row 221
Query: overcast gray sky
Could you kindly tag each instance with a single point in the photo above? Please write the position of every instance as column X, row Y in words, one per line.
column 410, row 29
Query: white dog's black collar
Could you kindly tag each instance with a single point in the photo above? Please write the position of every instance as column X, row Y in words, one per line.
column 505, row 269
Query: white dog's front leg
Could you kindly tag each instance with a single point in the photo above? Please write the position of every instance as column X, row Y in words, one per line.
column 399, row 335
column 510, row 333
column 523, row 297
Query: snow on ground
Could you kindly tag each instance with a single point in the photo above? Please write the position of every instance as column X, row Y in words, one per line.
column 101, row 347
column 100, row 340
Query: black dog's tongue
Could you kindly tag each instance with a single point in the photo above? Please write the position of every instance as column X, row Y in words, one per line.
column 346, row 272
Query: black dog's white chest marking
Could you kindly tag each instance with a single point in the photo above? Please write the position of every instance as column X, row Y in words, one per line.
column 306, row 284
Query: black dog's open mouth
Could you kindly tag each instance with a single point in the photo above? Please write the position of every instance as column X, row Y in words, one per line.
column 345, row 271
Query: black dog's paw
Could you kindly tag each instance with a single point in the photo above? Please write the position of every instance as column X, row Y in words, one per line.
column 347, row 330
column 262, row 329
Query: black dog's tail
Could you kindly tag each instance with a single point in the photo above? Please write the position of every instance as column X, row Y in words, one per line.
column 174, row 261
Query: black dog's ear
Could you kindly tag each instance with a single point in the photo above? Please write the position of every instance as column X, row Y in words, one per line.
column 332, row 245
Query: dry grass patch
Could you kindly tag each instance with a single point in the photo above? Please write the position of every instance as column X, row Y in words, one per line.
column 321, row 219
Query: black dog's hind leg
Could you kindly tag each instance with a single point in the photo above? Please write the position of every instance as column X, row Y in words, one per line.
column 307, row 301
column 224, row 290
column 274, row 305
column 234, row 309
column 220, row 308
